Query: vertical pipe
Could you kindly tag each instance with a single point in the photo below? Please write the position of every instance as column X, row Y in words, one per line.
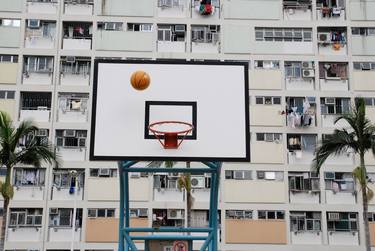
column 121, row 215
column 126, row 200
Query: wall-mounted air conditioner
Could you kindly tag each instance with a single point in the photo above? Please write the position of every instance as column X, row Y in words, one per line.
column 324, row 37
column 175, row 214
column 33, row 23
column 198, row 182
column 307, row 65
column 104, row 172
column 69, row 133
column 308, row 73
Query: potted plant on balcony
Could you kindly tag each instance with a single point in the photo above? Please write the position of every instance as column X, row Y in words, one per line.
column 359, row 137
column 34, row 152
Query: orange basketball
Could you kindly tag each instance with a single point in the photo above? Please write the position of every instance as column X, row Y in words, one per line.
column 140, row 80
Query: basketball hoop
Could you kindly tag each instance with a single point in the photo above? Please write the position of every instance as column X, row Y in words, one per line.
column 171, row 139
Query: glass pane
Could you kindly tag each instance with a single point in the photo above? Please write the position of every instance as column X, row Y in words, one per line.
column 101, row 212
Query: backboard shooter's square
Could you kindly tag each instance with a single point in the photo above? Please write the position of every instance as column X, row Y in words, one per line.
column 213, row 97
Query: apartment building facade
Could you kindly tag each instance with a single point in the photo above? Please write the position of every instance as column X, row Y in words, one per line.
column 308, row 61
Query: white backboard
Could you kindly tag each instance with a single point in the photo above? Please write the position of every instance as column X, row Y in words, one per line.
column 212, row 96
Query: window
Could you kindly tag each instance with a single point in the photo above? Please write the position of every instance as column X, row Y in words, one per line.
column 283, row 34
column 364, row 66
column 369, row 101
column 77, row 30
column 63, row 179
column 73, row 102
column 36, row 100
column 239, row 214
column 71, row 138
column 333, row 71
column 238, row 174
column 75, row 66
column 265, row 100
column 103, row 172
column 171, row 33
column 267, row 64
column 271, row 215
column 139, row 213
column 38, row 64
column 270, row 175
column 371, row 217
column 101, row 212
column 25, row 217
column 205, row 34
column 166, row 181
column 304, row 142
column 297, row 70
column 342, row 221
column 139, row 27
column 29, row 177
column 303, row 182
column 335, row 105
column 10, row 22
column 62, row 217
column 7, row 94
column 8, row 59
column 339, row 182
column 363, row 31
column 269, row 137
column 305, row 221
column 169, row 3
column 40, row 137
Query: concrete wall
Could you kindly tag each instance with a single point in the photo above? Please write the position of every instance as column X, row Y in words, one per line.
column 266, row 115
column 247, row 191
column 252, row 9
column 9, row 106
column 266, row 79
column 260, row 152
column 10, row 37
column 237, row 38
column 255, row 231
column 363, row 45
column 363, row 80
column 11, row 5
column 143, row 8
column 362, row 10
column 124, row 41
column 8, row 73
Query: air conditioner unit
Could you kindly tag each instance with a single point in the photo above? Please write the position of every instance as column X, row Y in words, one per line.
column 307, row 65
column 238, row 175
column 329, row 175
column 143, row 212
column 42, row 133
column 33, row 23
column 82, row 142
column 104, row 172
column 308, row 73
column 175, row 214
column 69, row 133
column 329, row 101
column 261, row 175
column 334, row 216
column 198, row 182
column 53, row 211
column 324, row 37
column 135, row 175
column 70, row 59
column 365, row 66
column 179, row 28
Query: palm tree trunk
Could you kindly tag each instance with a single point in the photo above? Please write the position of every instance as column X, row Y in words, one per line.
column 188, row 199
column 365, row 204
column 5, row 208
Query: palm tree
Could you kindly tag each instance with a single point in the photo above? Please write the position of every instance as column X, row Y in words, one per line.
column 359, row 138
column 34, row 152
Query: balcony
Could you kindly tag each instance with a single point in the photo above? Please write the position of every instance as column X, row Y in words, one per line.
column 22, row 230
column 11, row 6
column 36, row 106
column 340, row 188
column 305, row 228
column 24, row 234
column 77, row 36
column 42, row 7
column 362, row 10
column 78, row 7
column 266, row 75
column 72, row 107
column 267, row 111
column 10, row 33
column 301, row 112
column 300, row 76
column 363, row 73
column 297, row 10
column 283, row 40
column 105, row 230
column 60, row 225
column 171, row 38
column 327, row 11
column 205, row 39
column 71, row 144
column 332, row 41
column 66, row 188
column 173, row 8
column 301, row 148
column 37, row 70
column 107, row 40
column 362, row 41
column 206, row 9
column 64, row 234
column 304, row 187
column 263, row 145
column 331, row 109
column 40, row 34
column 143, row 8
column 246, row 191
column 8, row 69
column 75, row 71
column 166, row 189
column 243, row 231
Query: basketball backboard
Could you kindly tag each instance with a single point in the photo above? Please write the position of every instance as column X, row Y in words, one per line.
column 213, row 97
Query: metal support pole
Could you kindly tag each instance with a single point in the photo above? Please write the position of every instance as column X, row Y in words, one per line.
column 121, row 238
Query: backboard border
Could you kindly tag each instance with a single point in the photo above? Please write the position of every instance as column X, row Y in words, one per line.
column 97, row 61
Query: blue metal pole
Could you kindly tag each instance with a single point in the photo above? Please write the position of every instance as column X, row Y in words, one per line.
column 170, row 170
column 215, row 201
column 127, row 214
column 121, row 220
column 208, row 241
column 168, row 229
column 212, row 208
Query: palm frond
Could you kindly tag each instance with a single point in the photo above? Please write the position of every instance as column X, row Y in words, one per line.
column 34, row 153
column 25, row 128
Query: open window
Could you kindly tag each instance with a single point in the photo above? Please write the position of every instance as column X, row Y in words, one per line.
column 334, row 106
column 305, row 222
column 205, row 34
column 339, row 182
column 25, row 217
column 304, row 182
column 63, row 218
column 71, row 138
column 342, row 221
column 25, row 177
